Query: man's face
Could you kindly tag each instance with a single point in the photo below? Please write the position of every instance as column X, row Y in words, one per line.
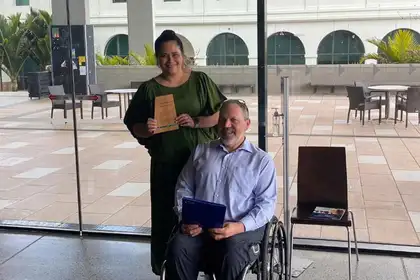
column 232, row 125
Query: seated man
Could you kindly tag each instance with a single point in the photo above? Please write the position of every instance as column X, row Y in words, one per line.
column 233, row 172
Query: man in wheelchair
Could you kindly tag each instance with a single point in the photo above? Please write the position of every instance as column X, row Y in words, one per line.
column 233, row 172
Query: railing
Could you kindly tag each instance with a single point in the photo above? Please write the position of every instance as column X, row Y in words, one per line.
column 301, row 76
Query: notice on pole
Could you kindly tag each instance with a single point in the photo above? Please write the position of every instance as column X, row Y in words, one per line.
column 165, row 113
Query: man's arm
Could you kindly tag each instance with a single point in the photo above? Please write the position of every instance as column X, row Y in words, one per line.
column 185, row 186
column 265, row 198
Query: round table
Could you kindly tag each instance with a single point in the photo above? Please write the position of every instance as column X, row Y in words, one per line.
column 387, row 89
column 126, row 92
column 122, row 90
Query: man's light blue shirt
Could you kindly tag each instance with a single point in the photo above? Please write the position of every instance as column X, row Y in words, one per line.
column 243, row 180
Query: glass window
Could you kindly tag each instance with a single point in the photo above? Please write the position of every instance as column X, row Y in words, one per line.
column 117, row 46
column 22, row 2
column 227, row 49
column 284, row 48
column 297, row 59
column 392, row 33
column 340, row 47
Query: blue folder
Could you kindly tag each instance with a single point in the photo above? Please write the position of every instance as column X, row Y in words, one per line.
column 204, row 213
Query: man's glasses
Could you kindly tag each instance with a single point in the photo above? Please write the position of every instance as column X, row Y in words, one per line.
column 240, row 102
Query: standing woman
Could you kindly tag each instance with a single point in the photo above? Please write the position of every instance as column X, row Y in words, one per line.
column 197, row 101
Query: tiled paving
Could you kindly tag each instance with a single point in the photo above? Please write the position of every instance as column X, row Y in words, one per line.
column 30, row 257
column 38, row 177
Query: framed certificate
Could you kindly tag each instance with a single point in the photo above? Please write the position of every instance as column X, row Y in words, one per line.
column 165, row 113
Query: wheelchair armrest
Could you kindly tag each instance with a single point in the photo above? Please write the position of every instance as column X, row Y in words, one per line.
column 274, row 220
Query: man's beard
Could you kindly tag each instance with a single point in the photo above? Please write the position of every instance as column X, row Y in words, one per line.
column 227, row 133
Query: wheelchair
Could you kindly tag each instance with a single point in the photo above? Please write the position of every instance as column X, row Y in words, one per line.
column 272, row 261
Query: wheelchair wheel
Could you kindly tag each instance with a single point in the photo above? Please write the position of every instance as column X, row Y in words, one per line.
column 281, row 244
column 277, row 253
column 163, row 271
column 245, row 272
column 266, row 251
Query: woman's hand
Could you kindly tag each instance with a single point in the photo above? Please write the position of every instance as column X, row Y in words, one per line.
column 185, row 120
column 151, row 126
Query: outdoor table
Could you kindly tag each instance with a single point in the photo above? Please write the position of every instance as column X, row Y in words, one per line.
column 126, row 92
column 387, row 89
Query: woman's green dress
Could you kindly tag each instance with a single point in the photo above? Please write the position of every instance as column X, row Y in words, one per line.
column 169, row 151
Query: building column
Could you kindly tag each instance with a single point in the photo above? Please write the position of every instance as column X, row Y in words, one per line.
column 311, row 60
column 141, row 25
column 79, row 12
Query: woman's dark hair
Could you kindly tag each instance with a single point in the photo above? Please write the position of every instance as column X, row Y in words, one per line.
column 166, row 36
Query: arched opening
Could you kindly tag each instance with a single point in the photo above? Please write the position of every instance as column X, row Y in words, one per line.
column 227, row 49
column 340, row 47
column 117, row 46
column 188, row 47
column 392, row 34
column 284, row 48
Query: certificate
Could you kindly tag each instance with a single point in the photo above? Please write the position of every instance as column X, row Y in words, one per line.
column 165, row 113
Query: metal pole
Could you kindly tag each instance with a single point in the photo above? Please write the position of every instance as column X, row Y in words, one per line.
column 285, row 104
column 73, row 98
column 1, row 71
column 262, row 73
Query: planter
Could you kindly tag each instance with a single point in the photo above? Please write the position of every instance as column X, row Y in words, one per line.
column 38, row 83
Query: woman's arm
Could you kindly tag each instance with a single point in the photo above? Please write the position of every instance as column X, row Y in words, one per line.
column 140, row 130
column 137, row 114
column 214, row 101
column 208, row 121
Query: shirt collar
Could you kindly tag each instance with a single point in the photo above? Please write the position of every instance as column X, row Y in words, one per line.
column 246, row 145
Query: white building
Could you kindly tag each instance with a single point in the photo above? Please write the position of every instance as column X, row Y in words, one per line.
column 225, row 31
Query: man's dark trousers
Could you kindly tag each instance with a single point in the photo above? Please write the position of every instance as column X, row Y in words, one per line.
column 226, row 258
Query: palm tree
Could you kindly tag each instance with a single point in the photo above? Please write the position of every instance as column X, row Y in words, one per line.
column 402, row 47
column 37, row 26
column 148, row 59
column 14, row 46
column 111, row 60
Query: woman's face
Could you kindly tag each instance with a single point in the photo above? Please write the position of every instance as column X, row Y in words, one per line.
column 170, row 59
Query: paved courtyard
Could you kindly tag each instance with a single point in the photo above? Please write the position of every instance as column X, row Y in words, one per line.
column 38, row 177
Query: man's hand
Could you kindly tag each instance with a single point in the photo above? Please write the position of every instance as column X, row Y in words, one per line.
column 228, row 230
column 191, row 230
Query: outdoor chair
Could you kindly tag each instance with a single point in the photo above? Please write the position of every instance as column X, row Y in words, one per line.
column 408, row 104
column 59, row 100
column 133, row 84
column 102, row 101
column 322, row 182
column 360, row 102
column 368, row 92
